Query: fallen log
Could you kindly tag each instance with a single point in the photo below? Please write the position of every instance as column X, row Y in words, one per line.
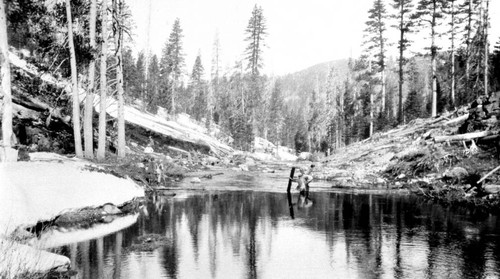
column 456, row 121
column 175, row 149
column 39, row 106
column 463, row 137
column 488, row 174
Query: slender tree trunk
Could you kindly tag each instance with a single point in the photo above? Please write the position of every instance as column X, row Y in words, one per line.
column 119, row 77
column 89, row 99
column 101, row 149
column 371, row 113
column 486, row 50
column 433, row 62
column 452, row 52
column 468, row 48
column 401, row 63
column 174, row 84
column 74, row 81
column 382, row 60
column 6, row 93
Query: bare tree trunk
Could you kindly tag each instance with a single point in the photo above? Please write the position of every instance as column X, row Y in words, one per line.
column 89, row 99
column 6, row 93
column 174, row 84
column 401, row 62
column 433, row 62
column 371, row 113
column 486, row 50
column 452, row 52
column 119, row 77
column 74, row 81
column 101, row 149
column 467, row 48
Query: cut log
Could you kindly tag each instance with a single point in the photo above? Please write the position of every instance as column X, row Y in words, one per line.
column 456, row 121
column 488, row 174
column 463, row 137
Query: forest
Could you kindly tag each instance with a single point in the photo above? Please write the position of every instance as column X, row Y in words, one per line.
column 319, row 109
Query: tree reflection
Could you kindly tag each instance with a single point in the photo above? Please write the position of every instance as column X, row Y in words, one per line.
column 375, row 236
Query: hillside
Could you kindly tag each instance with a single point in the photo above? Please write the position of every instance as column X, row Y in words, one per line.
column 297, row 84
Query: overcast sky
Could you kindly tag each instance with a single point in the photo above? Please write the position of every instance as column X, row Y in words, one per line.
column 300, row 33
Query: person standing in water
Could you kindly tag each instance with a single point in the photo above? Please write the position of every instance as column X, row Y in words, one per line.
column 303, row 180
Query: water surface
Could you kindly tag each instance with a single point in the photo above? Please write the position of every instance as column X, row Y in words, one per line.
column 249, row 234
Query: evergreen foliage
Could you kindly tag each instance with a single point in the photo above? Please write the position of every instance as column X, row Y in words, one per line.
column 172, row 64
column 255, row 34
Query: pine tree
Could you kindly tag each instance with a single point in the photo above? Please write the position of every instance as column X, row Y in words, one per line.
column 468, row 8
column 89, row 98
column 429, row 13
column 486, row 23
column 404, row 8
column 118, row 28
column 101, row 147
column 152, row 85
column 5, row 80
column 255, row 34
column 197, row 86
column 139, row 87
column 172, row 63
column 376, row 41
column 130, row 74
column 74, row 85
column 453, row 12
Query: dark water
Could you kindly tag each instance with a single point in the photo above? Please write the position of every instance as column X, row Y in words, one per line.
column 243, row 234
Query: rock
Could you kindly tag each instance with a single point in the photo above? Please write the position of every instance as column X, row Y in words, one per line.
column 195, row 180
column 491, row 189
column 401, row 176
column 148, row 150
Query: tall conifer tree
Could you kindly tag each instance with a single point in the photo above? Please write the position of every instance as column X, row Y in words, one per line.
column 376, row 41
column 172, row 63
column 404, row 25
column 429, row 13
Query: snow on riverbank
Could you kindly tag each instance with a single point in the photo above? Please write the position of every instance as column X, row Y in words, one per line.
column 52, row 184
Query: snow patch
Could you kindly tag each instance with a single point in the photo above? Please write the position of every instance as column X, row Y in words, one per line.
column 42, row 190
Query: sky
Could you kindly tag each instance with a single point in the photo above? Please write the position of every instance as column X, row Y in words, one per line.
column 300, row 33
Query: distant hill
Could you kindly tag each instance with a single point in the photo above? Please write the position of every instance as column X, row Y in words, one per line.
column 302, row 83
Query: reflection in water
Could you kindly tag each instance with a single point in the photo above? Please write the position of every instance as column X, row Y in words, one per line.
column 258, row 235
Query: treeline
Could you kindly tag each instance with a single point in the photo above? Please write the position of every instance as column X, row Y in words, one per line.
column 376, row 92
column 371, row 93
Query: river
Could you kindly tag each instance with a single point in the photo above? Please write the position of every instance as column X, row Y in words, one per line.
column 255, row 234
